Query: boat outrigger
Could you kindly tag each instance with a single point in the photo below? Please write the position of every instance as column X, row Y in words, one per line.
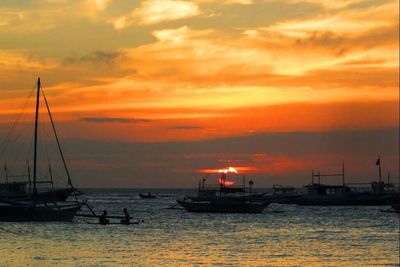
column 224, row 199
column 19, row 204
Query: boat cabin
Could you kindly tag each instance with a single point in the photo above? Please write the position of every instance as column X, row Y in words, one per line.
column 329, row 190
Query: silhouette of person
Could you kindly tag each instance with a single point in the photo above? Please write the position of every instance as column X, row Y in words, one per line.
column 103, row 218
column 127, row 217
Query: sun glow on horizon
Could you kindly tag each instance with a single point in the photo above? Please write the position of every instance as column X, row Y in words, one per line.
column 230, row 169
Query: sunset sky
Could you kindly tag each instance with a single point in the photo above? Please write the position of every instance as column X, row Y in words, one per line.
column 151, row 93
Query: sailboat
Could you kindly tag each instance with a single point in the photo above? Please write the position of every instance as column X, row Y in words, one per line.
column 16, row 204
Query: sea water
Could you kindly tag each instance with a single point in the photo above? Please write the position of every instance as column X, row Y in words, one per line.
column 300, row 236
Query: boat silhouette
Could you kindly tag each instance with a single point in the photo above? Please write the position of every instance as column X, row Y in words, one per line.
column 19, row 204
column 224, row 199
column 318, row 194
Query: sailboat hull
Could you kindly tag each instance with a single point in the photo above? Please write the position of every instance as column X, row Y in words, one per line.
column 12, row 213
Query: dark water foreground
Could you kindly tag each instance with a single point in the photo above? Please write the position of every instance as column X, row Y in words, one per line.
column 301, row 236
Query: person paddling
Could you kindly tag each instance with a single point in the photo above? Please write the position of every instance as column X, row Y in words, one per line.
column 127, row 217
column 103, row 218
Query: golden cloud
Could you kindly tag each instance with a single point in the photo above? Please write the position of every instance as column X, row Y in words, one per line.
column 157, row 11
column 329, row 4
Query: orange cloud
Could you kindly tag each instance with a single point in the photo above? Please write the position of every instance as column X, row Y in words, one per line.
column 190, row 79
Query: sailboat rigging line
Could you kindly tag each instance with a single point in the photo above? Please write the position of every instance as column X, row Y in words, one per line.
column 45, row 130
column 58, row 142
column 51, row 176
column 14, row 158
column 12, row 125
column 57, row 176
column 89, row 207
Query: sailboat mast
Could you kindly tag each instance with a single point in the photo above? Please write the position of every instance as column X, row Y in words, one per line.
column 36, row 135
column 5, row 170
column 51, row 176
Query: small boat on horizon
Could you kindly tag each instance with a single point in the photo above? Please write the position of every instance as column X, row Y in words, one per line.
column 148, row 195
column 223, row 199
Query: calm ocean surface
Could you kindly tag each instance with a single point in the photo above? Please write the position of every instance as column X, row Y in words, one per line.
column 301, row 236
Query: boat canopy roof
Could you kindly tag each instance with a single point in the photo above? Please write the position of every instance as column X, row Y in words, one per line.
column 232, row 190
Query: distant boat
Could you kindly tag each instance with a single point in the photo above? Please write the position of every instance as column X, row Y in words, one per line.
column 318, row 194
column 223, row 199
column 19, row 204
column 148, row 195
column 282, row 194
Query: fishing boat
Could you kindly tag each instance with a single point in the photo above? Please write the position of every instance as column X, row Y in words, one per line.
column 17, row 203
column 318, row 194
column 223, row 199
